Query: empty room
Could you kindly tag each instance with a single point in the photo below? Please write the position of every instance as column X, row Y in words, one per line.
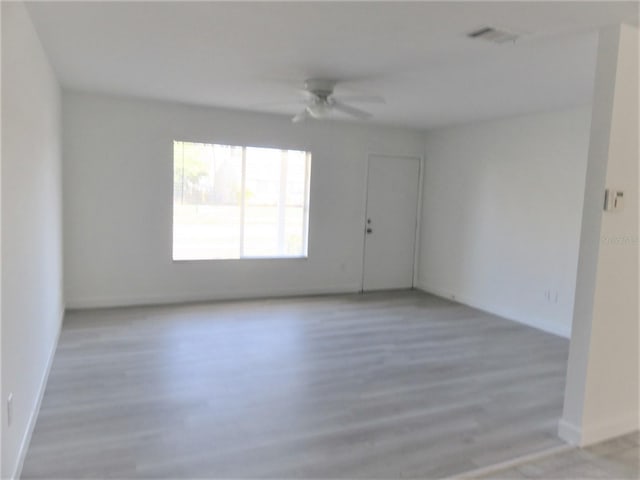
column 319, row 240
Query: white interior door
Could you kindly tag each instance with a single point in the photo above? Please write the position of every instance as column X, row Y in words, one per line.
column 392, row 208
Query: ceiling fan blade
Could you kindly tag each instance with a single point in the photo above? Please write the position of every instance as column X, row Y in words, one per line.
column 300, row 101
column 349, row 110
column 360, row 98
column 303, row 115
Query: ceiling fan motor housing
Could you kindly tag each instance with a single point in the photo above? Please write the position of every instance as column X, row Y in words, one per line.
column 321, row 102
column 321, row 88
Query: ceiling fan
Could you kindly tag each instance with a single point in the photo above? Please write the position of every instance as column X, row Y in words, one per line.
column 321, row 101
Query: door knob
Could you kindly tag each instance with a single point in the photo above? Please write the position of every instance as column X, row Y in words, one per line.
column 369, row 230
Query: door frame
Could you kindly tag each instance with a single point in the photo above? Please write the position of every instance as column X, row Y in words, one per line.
column 418, row 225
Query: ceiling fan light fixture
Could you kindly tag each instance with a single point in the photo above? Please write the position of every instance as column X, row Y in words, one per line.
column 319, row 109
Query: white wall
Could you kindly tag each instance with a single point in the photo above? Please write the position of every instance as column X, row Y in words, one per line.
column 1, row 395
column 602, row 389
column 118, row 201
column 32, row 302
column 501, row 215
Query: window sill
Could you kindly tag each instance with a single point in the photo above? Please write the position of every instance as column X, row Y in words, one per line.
column 183, row 260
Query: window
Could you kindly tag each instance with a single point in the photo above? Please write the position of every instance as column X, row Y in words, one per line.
column 239, row 202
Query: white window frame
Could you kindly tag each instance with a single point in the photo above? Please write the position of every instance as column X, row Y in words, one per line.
column 281, row 207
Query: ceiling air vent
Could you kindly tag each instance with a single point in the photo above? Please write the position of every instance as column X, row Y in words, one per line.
column 493, row 35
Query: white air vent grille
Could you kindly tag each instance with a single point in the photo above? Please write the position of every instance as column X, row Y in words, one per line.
column 494, row 35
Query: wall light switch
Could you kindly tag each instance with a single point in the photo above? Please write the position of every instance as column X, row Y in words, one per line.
column 613, row 200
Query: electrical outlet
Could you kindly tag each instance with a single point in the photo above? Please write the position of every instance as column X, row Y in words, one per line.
column 10, row 409
column 551, row 296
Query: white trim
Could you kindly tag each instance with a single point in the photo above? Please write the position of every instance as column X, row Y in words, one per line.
column 417, row 249
column 364, row 220
column 569, row 432
column 182, row 298
column 553, row 328
column 591, row 434
column 282, row 200
column 33, row 417
column 307, row 203
column 243, row 192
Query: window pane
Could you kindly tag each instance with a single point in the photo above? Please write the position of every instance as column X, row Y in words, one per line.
column 294, row 223
column 262, row 195
column 234, row 202
column 295, row 214
column 206, row 213
column 275, row 211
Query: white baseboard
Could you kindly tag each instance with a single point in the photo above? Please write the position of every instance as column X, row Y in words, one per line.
column 592, row 434
column 559, row 330
column 569, row 432
column 33, row 417
column 179, row 298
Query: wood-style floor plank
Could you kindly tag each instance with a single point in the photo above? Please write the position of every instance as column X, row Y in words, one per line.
column 614, row 459
column 385, row 385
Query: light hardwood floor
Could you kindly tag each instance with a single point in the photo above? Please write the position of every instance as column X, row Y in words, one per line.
column 388, row 385
column 615, row 459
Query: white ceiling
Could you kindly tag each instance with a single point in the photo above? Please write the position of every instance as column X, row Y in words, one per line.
column 416, row 55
